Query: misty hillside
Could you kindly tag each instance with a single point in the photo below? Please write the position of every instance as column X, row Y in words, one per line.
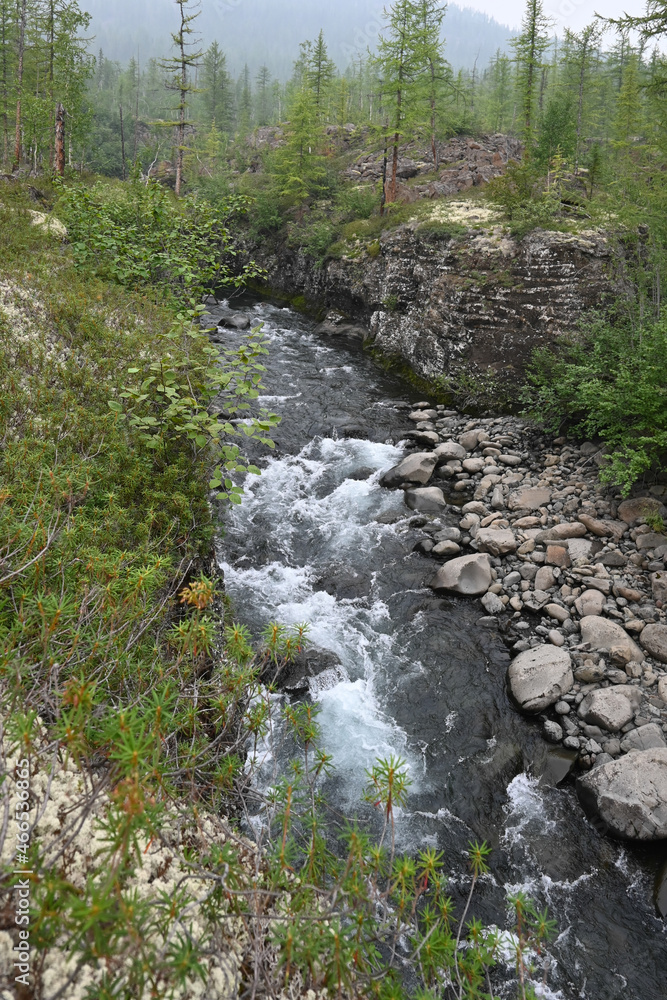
column 269, row 31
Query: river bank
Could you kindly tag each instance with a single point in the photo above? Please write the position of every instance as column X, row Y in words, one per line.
column 574, row 576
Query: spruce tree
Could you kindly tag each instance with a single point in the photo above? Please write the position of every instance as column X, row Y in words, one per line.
column 216, row 85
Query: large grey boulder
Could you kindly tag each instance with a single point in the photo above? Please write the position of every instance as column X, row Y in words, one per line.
column 449, row 450
column 468, row 575
column 601, row 633
column 539, row 677
column 612, row 707
column 498, row 542
column 428, row 500
column 416, row 468
column 648, row 737
column 629, row 795
column 654, row 640
column 561, row 532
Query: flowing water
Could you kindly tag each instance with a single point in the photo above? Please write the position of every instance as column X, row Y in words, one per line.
column 318, row 540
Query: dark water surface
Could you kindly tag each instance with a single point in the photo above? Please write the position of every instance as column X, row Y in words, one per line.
column 422, row 678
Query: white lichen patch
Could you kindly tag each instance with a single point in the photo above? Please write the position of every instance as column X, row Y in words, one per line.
column 68, row 808
column 495, row 241
column 465, row 212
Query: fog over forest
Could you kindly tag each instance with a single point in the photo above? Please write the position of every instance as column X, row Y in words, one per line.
column 264, row 32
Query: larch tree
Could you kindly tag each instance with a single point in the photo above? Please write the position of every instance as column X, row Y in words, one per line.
column 181, row 69
column 581, row 58
column 397, row 69
column 529, row 49
column 435, row 72
column 320, row 71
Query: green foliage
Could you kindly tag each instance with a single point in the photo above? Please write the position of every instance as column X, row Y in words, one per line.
column 610, row 382
column 557, row 131
column 140, row 236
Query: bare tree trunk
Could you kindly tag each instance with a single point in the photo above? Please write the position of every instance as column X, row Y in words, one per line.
column 122, row 138
column 181, row 110
column 60, row 140
column 19, row 83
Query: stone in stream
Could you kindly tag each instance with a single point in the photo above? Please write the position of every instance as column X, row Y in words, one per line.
column 469, row 575
column 654, row 640
column 629, row 795
column 590, row 604
column 539, row 677
column 447, row 549
column 558, row 765
column 645, row 738
column 611, row 708
column 429, row 500
column 498, row 542
column 493, row 604
column 416, row 468
column 600, row 634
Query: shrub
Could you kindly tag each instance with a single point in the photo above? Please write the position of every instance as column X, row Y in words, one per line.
column 609, row 381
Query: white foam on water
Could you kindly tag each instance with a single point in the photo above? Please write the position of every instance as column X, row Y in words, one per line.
column 525, row 810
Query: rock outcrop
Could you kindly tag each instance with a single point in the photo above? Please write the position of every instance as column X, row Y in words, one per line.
column 439, row 302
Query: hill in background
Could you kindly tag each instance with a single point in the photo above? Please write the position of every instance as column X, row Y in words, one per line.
column 269, row 31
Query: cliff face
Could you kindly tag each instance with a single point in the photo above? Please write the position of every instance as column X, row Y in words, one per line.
column 437, row 302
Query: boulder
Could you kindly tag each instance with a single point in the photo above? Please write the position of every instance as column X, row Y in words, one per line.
column 611, row 708
column 539, row 677
column 645, row 738
column 635, row 510
column 659, row 586
column 467, row 575
column 561, row 532
column 590, row 604
column 651, row 540
column 557, row 555
column 557, row 612
column 493, row 604
column 545, row 579
column 629, row 795
column 654, row 640
column 595, row 526
column 600, row 633
column 579, row 548
column 429, row 500
column 416, row 468
column 473, row 465
column 447, row 549
column 498, row 542
column 449, row 450
column 529, row 499
column 469, row 440
column 662, row 689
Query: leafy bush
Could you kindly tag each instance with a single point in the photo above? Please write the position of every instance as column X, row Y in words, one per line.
column 360, row 201
column 609, row 381
column 141, row 236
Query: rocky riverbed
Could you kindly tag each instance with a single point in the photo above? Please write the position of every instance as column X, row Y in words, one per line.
column 574, row 577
